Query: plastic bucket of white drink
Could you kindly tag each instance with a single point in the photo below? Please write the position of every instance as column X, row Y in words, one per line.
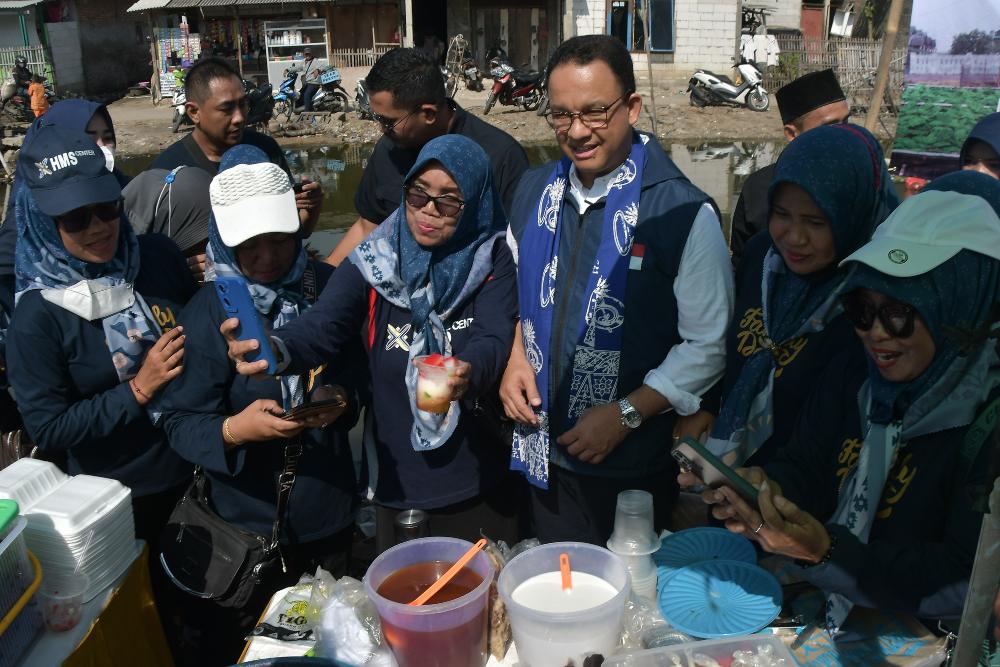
column 556, row 627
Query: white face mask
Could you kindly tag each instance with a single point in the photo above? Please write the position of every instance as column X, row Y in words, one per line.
column 109, row 158
column 91, row 300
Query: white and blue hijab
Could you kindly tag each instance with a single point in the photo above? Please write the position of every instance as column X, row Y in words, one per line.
column 599, row 328
column 433, row 283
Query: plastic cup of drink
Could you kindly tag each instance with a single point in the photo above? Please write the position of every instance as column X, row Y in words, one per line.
column 61, row 596
column 433, row 392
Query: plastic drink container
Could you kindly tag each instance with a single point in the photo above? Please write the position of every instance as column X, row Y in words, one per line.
column 547, row 632
column 433, row 392
column 449, row 634
column 62, row 598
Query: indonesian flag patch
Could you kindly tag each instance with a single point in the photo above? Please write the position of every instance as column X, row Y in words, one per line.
column 635, row 261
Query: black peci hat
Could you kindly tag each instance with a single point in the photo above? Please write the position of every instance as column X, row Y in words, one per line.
column 808, row 92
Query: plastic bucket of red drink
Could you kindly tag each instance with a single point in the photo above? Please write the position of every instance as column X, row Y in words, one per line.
column 437, row 634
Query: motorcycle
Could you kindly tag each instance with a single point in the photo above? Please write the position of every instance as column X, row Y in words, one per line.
column 513, row 88
column 260, row 104
column 15, row 104
column 361, row 100
column 331, row 96
column 707, row 87
column 177, row 102
column 470, row 72
column 286, row 97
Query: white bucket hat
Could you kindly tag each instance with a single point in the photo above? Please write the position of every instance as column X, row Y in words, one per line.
column 927, row 230
column 253, row 199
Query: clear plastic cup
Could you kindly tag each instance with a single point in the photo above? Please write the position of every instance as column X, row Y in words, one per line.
column 633, row 533
column 453, row 632
column 433, row 392
column 61, row 597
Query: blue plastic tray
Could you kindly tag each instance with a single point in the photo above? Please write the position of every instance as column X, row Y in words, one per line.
column 696, row 545
column 720, row 598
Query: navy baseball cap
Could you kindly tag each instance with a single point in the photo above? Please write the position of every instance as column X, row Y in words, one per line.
column 64, row 170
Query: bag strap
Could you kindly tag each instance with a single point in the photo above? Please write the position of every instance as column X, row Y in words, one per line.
column 286, row 481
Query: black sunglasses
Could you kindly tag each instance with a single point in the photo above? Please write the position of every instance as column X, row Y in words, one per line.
column 445, row 204
column 388, row 124
column 79, row 219
column 897, row 318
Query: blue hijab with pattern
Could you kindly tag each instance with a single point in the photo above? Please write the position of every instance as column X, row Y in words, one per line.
column 842, row 169
column 433, row 283
column 279, row 302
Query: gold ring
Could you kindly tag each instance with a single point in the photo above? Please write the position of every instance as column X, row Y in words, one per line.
column 757, row 529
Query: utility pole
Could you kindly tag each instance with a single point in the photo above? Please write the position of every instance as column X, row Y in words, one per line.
column 882, row 78
column 649, row 67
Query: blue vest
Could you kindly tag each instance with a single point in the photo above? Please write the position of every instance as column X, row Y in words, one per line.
column 667, row 208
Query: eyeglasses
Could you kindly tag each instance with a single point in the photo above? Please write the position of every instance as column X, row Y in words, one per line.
column 897, row 318
column 596, row 118
column 388, row 124
column 79, row 219
column 446, row 205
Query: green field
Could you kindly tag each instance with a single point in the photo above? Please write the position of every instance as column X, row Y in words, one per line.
column 937, row 120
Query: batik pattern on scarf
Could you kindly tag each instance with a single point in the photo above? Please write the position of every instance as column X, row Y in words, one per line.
column 434, row 282
column 42, row 263
column 597, row 359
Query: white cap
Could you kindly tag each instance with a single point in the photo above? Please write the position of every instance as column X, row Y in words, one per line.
column 927, row 230
column 253, row 199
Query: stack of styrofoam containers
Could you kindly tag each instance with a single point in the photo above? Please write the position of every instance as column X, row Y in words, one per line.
column 16, row 577
column 64, row 513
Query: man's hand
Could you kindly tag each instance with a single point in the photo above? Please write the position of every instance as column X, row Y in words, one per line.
column 196, row 265
column 310, row 203
column 240, row 348
column 697, row 426
column 518, row 389
column 596, row 434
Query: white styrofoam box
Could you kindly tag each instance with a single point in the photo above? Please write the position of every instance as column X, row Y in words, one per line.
column 720, row 650
column 26, row 481
column 77, row 505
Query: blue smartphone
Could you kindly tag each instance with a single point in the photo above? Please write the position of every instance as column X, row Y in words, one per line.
column 234, row 295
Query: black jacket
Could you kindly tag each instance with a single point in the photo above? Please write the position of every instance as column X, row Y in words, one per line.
column 750, row 214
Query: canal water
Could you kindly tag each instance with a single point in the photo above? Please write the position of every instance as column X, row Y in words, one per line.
column 717, row 168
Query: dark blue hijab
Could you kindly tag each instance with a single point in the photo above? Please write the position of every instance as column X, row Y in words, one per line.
column 987, row 131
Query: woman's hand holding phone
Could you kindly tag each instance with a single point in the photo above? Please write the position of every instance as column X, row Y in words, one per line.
column 260, row 421
column 238, row 349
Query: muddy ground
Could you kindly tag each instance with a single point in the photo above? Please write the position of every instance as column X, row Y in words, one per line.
column 145, row 129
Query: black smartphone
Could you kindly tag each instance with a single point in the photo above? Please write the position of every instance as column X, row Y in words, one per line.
column 309, row 409
column 297, row 187
column 692, row 456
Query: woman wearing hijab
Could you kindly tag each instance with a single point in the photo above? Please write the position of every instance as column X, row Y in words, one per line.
column 981, row 150
column 830, row 190
column 94, row 336
column 231, row 426
column 873, row 495
column 436, row 277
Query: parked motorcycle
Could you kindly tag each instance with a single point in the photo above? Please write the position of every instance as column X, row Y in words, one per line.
column 260, row 104
column 707, row 87
column 361, row 100
column 177, row 102
column 512, row 87
column 287, row 96
column 331, row 96
column 470, row 72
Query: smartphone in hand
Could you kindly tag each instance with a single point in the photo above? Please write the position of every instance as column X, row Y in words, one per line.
column 234, row 295
column 692, row 456
column 307, row 410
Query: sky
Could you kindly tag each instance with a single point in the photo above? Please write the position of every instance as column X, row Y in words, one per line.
column 943, row 19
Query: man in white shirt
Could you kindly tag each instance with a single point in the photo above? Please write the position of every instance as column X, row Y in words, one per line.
column 625, row 295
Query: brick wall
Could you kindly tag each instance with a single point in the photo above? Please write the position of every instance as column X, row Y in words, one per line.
column 706, row 33
column 113, row 57
column 586, row 17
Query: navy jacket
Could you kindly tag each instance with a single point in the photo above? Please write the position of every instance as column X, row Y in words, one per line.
column 68, row 390
column 474, row 459
column 802, row 360
column 919, row 555
column 243, row 481
column 668, row 206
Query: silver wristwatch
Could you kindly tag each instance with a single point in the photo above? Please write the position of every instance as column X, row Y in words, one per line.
column 631, row 418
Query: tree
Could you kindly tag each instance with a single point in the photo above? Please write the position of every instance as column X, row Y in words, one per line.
column 975, row 41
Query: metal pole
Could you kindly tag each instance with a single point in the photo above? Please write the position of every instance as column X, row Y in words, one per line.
column 982, row 588
column 408, row 37
column 882, row 78
column 649, row 67
column 239, row 41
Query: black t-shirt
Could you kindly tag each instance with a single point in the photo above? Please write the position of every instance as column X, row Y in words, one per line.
column 381, row 185
column 188, row 153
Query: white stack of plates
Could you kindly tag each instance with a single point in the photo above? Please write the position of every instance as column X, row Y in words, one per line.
column 60, row 523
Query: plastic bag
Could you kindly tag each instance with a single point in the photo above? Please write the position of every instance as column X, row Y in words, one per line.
column 349, row 630
column 296, row 616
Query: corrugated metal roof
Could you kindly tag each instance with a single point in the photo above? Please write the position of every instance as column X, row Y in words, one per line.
column 18, row 4
column 233, row 3
column 148, row 4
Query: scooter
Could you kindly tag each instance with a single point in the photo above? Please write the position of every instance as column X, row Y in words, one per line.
column 177, row 102
column 470, row 72
column 361, row 100
column 331, row 96
column 15, row 104
column 260, row 104
column 707, row 87
column 286, row 97
column 513, row 88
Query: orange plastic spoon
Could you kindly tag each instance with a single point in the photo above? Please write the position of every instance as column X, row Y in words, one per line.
column 447, row 576
column 567, row 576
